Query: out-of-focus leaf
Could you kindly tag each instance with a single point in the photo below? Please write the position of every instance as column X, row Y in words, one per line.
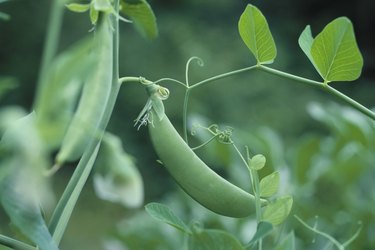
column 140, row 12
column 255, row 33
column 4, row 16
column 23, row 187
column 7, row 84
column 335, row 52
column 8, row 115
column 257, row 162
column 269, row 185
column 264, row 228
column 116, row 177
column 209, row 239
column 277, row 211
column 165, row 214
column 288, row 243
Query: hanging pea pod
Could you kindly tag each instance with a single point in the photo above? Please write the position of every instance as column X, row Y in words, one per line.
column 190, row 172
column 96, row 89
column 57, row 100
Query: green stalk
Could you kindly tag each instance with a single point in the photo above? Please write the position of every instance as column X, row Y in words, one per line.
column 290, row 76
column 350, row 101
column 256, row 189
column 184, row 114
column 71, row 193
column 324, row 87
column 50, row 45
column 224, row 75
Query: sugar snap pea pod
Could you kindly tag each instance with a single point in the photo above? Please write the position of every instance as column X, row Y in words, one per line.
column 194, row 176
column 55, row 105
column 94, row 97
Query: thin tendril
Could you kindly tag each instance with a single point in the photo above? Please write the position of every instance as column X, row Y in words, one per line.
column 327, row 236
column 206, row 142
column 191, row 59
column 170, row 80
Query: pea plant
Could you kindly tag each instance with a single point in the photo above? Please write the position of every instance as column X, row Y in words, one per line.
column 76, row 93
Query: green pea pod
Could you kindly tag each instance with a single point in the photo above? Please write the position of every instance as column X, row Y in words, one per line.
column 95, row 93
column 194, row 176
column 58, row 98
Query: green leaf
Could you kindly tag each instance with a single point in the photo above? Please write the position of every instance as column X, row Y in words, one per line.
column 335, row 52
column 264, row 228
column 22, row 185
column 7, row 84
column 277, row 211
column 4, row 16
column 269, row 184
column 213, row 239
column 305, row 41
column 140, row 12
column 166, row 215
column 79, row 8
column 257, row 162
column 116, row 177
column 288, row 243
column 255, row 33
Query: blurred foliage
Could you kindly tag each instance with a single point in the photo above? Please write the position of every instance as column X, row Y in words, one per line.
column 328, row 164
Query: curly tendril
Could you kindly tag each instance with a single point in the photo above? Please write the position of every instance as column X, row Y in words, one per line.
column 191, row 59
column 170, row 80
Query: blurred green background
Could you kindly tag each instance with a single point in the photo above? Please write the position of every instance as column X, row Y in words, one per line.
column 324, row 150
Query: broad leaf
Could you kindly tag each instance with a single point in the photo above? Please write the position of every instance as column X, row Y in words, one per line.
column 269, row 184
column 335, row 52
column 276, row 212
column 305, row 41
column 255, row 33
column 213, row 239
column 166, row 215
column 264, row 228
column 140, row 12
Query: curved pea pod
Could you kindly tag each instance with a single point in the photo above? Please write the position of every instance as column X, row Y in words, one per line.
column 85, row 123
column 194, row 176
column 58, row 97
column 116, row 178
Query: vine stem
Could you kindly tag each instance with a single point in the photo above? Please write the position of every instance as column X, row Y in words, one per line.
column 323, row 86
column 68, row 200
